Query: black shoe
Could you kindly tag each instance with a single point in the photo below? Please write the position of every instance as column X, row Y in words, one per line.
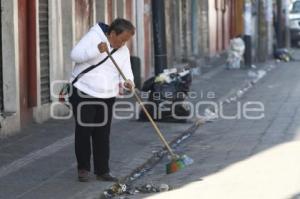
column 83, row 175
column 107, row 177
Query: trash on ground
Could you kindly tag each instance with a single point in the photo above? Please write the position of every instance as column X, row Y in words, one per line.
column 257, row 75
column 209, row 115
column 121, row 190
column 148, row 188
column 116, row 189
column 253, row 66
column 233, row 99
column 187, row 160
column 136, row 175
column 261, row 73
column 282, row 54
column 153, row 188
column 252, row 74
column 239, row 93
column 178, row 141
column 164, row 187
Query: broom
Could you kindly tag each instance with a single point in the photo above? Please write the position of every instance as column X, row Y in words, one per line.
column 177, row 162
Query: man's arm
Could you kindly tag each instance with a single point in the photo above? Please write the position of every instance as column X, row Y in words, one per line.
column 87, row 48
column 126, row 68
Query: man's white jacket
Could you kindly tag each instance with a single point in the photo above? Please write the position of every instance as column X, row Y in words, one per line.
column 103, row 81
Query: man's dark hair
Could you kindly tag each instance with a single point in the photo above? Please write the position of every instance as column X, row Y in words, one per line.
column 120, row 25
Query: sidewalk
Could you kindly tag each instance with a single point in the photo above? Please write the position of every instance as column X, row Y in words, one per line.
column 40, row 161
column 244, row 158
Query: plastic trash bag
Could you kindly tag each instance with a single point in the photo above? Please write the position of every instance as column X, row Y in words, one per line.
column 235, row 53
column 282, row 54
column 164, row 90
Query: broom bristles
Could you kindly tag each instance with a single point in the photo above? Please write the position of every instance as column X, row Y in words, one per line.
column 178, row 164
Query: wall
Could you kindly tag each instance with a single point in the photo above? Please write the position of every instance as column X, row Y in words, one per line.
column 203, row 28
column 10, row 118
column 56, row 59
column 148, row 68
column 68, row 40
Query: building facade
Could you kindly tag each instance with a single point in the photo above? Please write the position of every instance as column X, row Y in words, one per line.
column 38, row 35
column 36, row 39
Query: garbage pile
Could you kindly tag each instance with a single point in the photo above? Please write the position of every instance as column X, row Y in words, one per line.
column 235, row 53
column 122, row 190
column 282, row 54
column 166, row 94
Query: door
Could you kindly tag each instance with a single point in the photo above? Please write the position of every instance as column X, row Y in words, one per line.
column 236, row 18
column 27, row 59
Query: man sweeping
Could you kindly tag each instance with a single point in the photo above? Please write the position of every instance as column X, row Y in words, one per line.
column 95, row 86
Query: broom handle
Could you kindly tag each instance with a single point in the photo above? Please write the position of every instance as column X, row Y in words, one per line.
column 159, row 133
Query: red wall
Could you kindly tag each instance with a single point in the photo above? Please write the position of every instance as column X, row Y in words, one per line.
column 27, row 59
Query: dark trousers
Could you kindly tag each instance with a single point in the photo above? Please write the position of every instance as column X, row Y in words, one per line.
column 93, row 123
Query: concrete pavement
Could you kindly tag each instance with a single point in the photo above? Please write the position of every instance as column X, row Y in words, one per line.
column 40, row 161
column 244, row 158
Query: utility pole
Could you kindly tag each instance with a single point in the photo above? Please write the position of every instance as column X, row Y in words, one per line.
column 248, row 33
column 282, row 24
column 270, row 18
column 159, row 36
column 262, row 31
column 286, row 13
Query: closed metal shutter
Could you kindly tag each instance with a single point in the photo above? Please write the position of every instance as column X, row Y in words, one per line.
column 1, row 73
column 44, row 51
